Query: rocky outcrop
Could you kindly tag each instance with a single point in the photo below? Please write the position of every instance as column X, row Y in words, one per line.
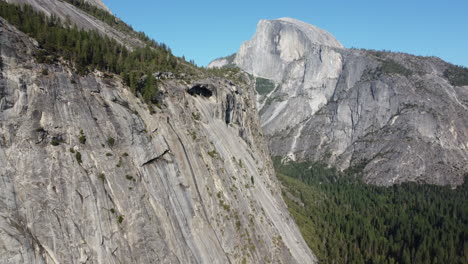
column 278, row 48
column 223, row 62
column 88, row 174
column 397, row 128
column 99, row 4
column 396, row 116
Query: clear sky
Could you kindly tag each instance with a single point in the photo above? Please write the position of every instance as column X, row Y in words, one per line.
column 205, row 30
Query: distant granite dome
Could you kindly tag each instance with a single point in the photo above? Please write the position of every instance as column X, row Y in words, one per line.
column 278, row 43
column 399, row 117
column 300, row 57
column 315, row 34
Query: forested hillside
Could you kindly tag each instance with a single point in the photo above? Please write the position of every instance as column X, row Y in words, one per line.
column 89, row 50
column 346, row 221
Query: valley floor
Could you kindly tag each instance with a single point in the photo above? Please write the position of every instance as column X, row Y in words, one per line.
column 346, row 221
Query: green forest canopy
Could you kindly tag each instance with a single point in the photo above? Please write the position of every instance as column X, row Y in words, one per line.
column 346, row 221
column 89, row 50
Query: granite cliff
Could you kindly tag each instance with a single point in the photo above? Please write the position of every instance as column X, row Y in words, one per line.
column 92, row 174
column 396, row 116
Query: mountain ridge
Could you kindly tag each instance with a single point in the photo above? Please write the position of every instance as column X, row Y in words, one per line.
column 344, row 107
column 99, row 4
column 91, row 172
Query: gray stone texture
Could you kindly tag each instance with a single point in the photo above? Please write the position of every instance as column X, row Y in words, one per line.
column 346, row 108
column 190, row 183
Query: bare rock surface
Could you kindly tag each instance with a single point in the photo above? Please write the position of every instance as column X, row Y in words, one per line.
column 394, row 115
column 89, row 175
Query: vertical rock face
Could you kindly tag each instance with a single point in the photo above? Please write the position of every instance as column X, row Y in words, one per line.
column 397, row 116
column 397, row 128
column 278, row 46
column 89, row 175
column 300, row 57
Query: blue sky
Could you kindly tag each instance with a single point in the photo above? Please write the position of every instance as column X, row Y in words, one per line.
column 205, row 30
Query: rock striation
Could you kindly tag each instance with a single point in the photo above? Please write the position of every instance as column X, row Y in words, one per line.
column 396, row 116
column 90, row 174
